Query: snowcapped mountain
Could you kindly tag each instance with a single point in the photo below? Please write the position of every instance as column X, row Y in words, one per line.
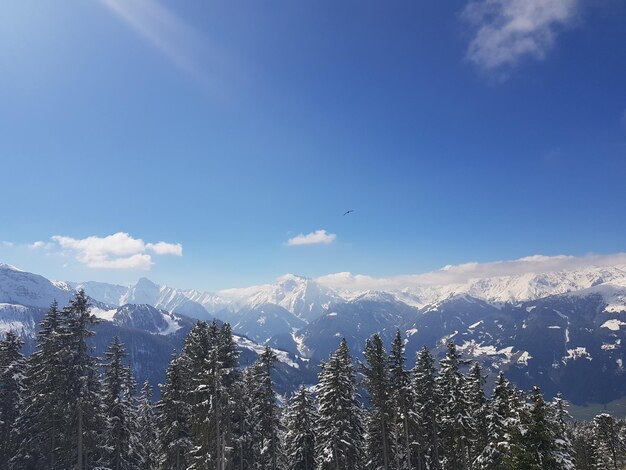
column 264, row 321
column 188, row 302
column 552, row 329
column 149, row 333
column 300, row 295
column 19, row 287
column 518, row 288
column 109, row 294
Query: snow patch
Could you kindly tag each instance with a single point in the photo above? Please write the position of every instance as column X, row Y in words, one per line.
column 578, row 353
column 524, row 357
column 103, row 314
column 614, row 324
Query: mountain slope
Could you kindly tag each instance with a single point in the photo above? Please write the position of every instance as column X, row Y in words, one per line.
column 24, row 288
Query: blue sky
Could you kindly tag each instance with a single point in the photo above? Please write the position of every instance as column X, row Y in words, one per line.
column 458, row 131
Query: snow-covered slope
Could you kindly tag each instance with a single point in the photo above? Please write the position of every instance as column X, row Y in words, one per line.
column 188, row 302
column 519, row 288
column 299, row 295
column 28, row 289
column 110, row 294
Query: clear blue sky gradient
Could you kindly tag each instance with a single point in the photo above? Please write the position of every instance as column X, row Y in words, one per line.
column 268, row 119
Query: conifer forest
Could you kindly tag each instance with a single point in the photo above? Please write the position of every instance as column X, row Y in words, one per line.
column 62, row 408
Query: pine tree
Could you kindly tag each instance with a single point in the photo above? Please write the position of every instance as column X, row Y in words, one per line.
column 212, row 358
column 339, row 428
column 228, row 386
column 242, row 422
column 120, row 435
column 40, row 428
column 609, row 440
column 265, row 421
column 200, row 356
column 563, row 452
column 425, row 436
column 403, row 402
column 532, row 444
column 146, row 425
column 475, row 396
column 499, row 420
column 300, row 418
column 81, row 388
column 174, row 418
column 12, row 369
column 540, row 438
column 456, row 425
column 379, row 436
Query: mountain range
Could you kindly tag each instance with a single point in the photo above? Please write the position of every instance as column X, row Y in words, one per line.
column 563, row 330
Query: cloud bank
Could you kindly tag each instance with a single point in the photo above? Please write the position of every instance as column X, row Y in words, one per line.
column 463, row 273
column 319, row 237
column 117, row 251
column 506, row 32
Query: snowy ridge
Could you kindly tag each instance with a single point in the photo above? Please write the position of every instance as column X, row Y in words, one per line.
column 309, row 299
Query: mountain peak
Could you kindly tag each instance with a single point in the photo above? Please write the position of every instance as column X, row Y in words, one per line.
column 10, row 267
column 144, row 281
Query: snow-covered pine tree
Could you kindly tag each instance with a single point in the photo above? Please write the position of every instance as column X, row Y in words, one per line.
column 563, row 452
column 499, row 420
column 81, row 386
column 173, row 418
column 12, row 369
column 146, row 426
column 585, row 447
column 264, row 421
column 120, row 436
column 425, row 438
column 200, row 356
column 339, row 427
column 212, row 359
column 404, row 424
column 228, row 376
column 533, row 443
column 454, row 412
column 136, row 450
column 540, row 436
column 379, row 435
column 475, row 396
column 39, row 428
column 300, row 418
column 609, row 441
column 242, row 422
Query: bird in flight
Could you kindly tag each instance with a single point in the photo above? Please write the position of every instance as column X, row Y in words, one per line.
column 347, row 212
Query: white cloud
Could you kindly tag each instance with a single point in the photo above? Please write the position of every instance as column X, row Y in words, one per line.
column 319, row 237
column 7, row 244
column 462, row 273
column 163, row 248
column 117, row 251
column 508, row 31
column 138, row 261
column 38, row 245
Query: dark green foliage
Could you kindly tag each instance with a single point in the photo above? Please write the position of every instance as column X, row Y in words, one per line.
column 339, row 427
column 264, row 419
column 379, row 419
column 300, row 418
column 120, row 436
column 425, row 436
column 403, row 423
column 454, row 412
column 174, row 419
column 146, row 429
column 12, row 368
